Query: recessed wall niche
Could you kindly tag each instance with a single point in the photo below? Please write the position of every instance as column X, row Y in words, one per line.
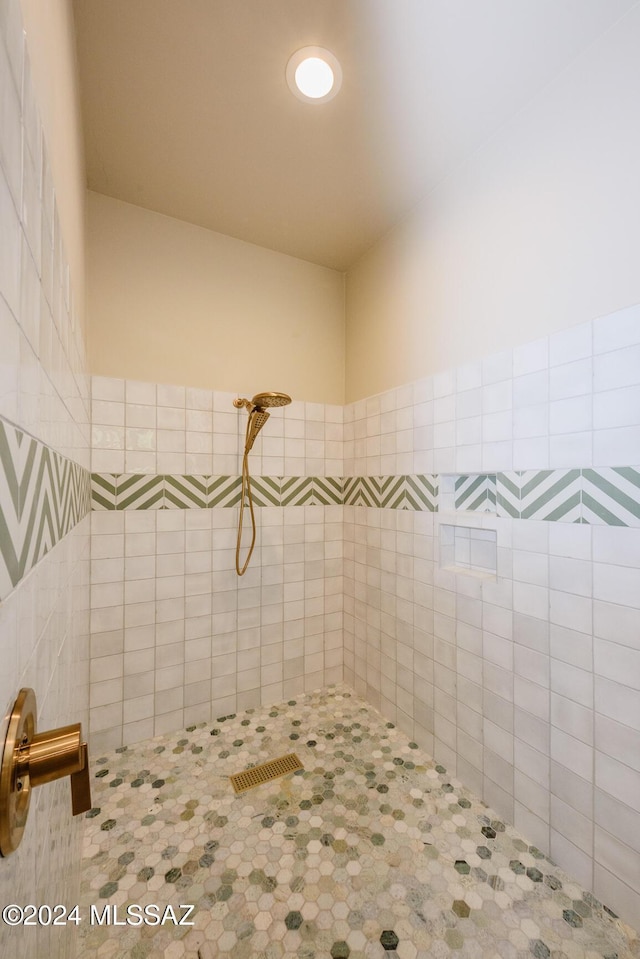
column 466, row 549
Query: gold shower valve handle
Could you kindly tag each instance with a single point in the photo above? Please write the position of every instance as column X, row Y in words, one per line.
column 53, row 754
column 31, row 759
column 81, row 785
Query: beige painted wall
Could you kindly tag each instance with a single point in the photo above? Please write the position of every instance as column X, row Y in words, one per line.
column 174, row 303
column 538, row 231
column 51, row 48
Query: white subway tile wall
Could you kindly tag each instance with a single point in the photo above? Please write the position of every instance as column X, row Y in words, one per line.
column 527, row 688
column 141, row 428
column 177, row 637
column 44, row 408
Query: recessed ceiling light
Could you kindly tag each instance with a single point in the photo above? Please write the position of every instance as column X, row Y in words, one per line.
column 314, row 74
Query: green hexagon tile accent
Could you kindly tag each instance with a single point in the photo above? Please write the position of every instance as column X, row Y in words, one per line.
column 371, row 850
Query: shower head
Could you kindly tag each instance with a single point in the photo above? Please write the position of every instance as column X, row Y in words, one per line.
column 256, row 409
column 257, row 419
column 264, row 401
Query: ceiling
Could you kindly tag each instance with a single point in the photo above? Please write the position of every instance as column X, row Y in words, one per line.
column 186, row 110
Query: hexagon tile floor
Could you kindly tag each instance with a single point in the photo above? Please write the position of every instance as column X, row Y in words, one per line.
column 372, row 851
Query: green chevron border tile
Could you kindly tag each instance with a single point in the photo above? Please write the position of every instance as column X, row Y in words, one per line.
column 476, row 492
column 43, row 495
column 139, row 491
column 508, row 487
column 422, row 490
column 329, row 490
column 312, row 491
column 607, row 495
column 60, row 475
column 185, row 492
column 551, row 495
column 40, row 503
column 266, row 490
column 390, row 491
column 611, row 496
column 104, row 489
column 350, row 490
column 9, row 458
column 360, row 491
column 224, row 491
column 297, row 491
column 11, row 568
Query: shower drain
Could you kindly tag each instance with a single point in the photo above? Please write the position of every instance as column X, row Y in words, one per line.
column 265, row 772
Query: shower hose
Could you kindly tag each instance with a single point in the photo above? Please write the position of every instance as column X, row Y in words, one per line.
column 244, row 498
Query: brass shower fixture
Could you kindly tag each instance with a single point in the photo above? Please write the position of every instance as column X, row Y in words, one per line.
column 258, row 416
column 31, row 759
column 262, row 401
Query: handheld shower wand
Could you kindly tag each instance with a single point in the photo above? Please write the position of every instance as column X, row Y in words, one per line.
column 258, row 416
column 257, row 419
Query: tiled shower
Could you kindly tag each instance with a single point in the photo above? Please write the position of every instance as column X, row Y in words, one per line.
column 470, row 567
column 462, row 551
